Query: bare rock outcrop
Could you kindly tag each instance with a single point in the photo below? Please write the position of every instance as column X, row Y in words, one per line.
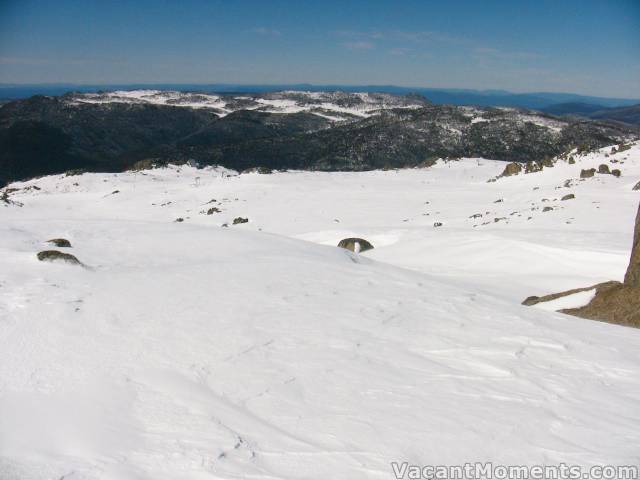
column 632, row 277
column 613, row 302
column 511, row 169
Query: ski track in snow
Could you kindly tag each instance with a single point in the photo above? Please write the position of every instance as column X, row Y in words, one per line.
column 262, row 351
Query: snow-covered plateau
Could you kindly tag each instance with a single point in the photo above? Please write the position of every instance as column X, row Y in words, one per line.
column 204, row 349
column 339, row 105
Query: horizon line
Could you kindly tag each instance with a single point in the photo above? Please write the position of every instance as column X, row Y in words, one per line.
column 299, row 84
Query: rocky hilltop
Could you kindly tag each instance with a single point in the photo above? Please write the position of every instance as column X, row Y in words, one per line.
column 115, row 131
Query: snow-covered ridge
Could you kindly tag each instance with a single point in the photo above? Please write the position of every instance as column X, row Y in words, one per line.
column 323, row 104
column 334, row 106
column 542, row 120
column 153, row 97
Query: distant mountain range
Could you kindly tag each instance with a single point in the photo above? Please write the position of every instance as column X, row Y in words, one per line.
column 629, row 114
column 483, row 98
column 114, row 131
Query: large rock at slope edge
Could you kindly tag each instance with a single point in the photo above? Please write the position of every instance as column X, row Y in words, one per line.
column 613, row 302
column 632, row 277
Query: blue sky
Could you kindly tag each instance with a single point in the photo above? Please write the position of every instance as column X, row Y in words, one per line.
column 581, row 46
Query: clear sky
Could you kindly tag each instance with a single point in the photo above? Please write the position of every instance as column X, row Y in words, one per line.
column 581, row 46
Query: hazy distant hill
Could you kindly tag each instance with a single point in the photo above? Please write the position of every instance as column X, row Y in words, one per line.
column 623, row 114
column 629, row 114
column 573, row 108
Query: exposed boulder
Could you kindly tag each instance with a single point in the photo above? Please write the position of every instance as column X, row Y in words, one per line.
column 437, row 224
column 632, row 277
column 511, row 169
column 547, row 209
column 604, row 169
column 56, row 256
column 213, row 210
column 616, row 172
column 588, row 173
column 532, row 167
column 613, row 302
column 568, row 196
column 60, row 242
column 350, row 244
column 239, row 220
column 637, row 186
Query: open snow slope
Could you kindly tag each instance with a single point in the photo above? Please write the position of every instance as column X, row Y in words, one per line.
column 186, row 350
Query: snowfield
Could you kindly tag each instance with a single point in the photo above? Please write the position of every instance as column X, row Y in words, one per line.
column 189, row 350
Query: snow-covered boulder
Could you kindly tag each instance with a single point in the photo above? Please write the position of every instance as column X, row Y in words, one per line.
column 361, row 244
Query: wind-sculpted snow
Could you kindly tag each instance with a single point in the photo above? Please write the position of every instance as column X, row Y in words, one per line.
column 188, row 350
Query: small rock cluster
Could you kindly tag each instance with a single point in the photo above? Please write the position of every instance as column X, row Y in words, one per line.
column 603, row 169
column 57, row 256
